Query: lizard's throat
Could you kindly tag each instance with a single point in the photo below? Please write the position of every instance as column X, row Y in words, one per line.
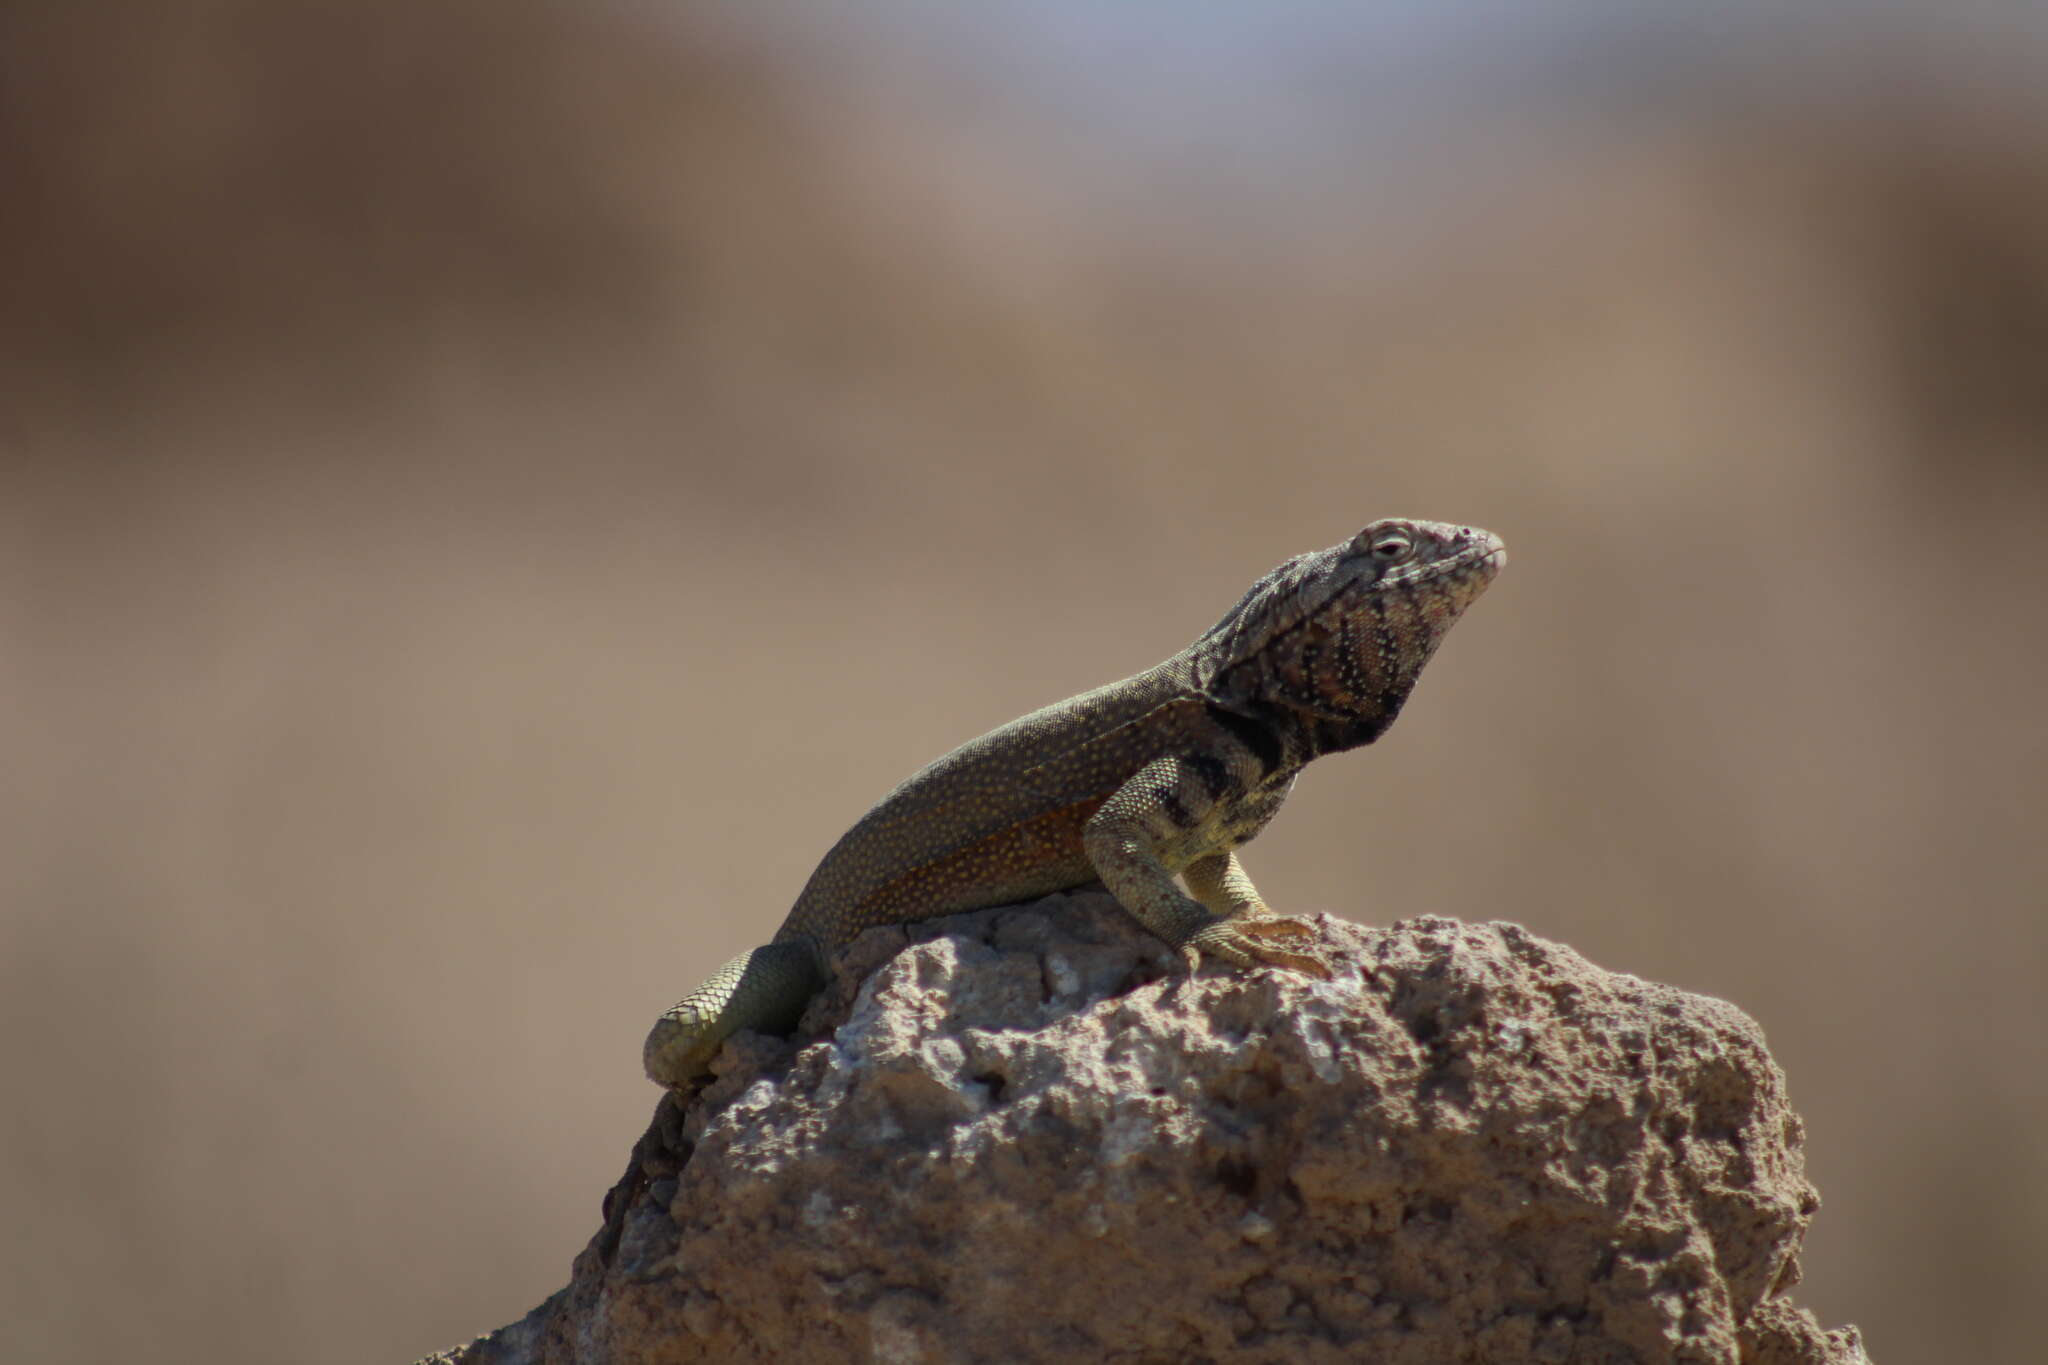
column 1350, row 693
column 1331, row 735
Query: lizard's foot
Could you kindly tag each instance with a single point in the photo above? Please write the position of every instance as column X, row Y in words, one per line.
column 1242, row 943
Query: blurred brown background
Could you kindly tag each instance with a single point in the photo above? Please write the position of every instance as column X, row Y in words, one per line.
column 492, row 490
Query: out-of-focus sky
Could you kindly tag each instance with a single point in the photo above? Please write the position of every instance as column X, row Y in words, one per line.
column 489, row 492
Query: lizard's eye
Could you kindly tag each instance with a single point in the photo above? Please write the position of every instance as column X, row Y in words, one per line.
column 1392, row 547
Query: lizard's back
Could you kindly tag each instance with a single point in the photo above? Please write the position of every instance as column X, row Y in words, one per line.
column 999, row 819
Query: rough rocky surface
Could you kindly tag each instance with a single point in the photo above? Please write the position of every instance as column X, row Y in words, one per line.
column 1023, row 1135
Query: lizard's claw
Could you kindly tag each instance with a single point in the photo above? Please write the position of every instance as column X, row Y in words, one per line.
column 1240, row 942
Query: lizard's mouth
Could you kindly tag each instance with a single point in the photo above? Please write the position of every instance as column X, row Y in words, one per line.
column 1481, row 561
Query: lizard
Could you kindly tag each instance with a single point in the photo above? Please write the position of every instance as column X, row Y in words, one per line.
column 1163, row 774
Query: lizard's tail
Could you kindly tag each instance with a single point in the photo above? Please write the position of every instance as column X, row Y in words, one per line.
column 765, row 989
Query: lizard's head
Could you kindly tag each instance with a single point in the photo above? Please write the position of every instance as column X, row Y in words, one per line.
column 1341, row 634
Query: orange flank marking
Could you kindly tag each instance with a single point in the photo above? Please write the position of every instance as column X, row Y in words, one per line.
column 1032, row 857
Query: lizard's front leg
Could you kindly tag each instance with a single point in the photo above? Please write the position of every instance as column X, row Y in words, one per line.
column 1219, row 881
column 1165, row 801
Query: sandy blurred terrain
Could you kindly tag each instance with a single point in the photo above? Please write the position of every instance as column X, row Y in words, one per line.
column 488, row 493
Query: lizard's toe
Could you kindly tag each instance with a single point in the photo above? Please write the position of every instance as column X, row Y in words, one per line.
column 1272, row 927
column 1238, row 942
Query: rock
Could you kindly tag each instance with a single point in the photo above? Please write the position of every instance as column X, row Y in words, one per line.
column 1022, row 1134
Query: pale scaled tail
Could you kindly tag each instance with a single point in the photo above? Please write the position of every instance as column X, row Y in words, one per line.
column 765, row 989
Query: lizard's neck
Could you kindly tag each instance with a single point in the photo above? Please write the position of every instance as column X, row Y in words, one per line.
column 1325, row 736
column 1293, row 738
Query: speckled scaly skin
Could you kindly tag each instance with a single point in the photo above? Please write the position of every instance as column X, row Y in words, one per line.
column 1161, row 775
